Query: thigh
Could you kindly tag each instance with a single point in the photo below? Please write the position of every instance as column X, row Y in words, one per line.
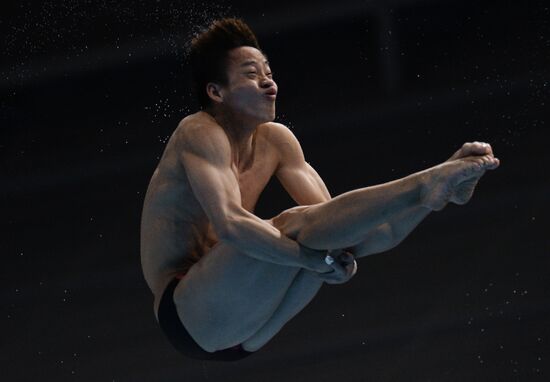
column 227, row 296
column 304, row 287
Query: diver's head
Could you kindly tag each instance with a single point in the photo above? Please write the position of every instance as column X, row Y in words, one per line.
column 231, row 73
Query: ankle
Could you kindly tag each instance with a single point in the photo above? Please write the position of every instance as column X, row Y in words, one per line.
column 427, row 180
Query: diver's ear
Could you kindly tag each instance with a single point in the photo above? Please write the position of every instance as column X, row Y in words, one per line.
column 214, row 91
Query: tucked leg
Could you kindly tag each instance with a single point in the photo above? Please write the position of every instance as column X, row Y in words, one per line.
column 227, row 296
column 347, row 219
column 305, row 286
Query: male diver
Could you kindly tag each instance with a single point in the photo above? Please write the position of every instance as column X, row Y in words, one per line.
column 225, row 281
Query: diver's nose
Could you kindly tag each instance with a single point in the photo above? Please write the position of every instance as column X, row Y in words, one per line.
column 267, row 82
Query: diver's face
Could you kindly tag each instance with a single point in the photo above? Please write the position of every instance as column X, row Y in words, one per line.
column 251, row 91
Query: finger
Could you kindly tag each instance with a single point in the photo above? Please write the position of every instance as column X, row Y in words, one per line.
column 335, row 264
column 346, row 258
column 342, row 258
column 351, row 269
column 339, row 269
column 332, row 278
column 337, row 278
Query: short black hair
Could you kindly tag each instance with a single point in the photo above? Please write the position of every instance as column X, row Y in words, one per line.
column 208, row 53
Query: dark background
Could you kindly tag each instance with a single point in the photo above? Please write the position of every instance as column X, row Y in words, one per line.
column 375, row 90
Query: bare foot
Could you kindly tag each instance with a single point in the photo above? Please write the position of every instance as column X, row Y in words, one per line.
column 455, row 181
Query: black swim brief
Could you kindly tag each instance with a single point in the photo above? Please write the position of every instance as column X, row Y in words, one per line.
column 182, row 340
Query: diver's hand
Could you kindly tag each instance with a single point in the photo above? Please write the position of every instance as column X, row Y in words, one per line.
column 343, row 265
column 313, row 260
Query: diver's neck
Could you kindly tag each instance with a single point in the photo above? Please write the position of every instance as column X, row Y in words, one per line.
column 240, row 133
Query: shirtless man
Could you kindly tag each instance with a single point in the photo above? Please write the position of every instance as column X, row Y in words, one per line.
column 225, row 281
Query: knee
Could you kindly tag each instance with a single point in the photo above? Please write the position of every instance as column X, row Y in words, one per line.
column 252, row 345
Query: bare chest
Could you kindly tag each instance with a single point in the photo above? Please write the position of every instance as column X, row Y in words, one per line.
column 254, row 180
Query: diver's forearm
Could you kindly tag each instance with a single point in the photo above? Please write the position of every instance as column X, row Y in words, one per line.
column 256, row 238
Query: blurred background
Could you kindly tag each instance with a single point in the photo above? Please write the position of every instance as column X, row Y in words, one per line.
column 90, row 91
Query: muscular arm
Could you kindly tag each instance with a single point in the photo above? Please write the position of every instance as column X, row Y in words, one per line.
column 206, row 157
column 305, row 186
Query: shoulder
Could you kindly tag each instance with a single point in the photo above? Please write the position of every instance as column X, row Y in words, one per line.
column 200, row 135
column 280, row 136
column 284, row 143
column 199, row 129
